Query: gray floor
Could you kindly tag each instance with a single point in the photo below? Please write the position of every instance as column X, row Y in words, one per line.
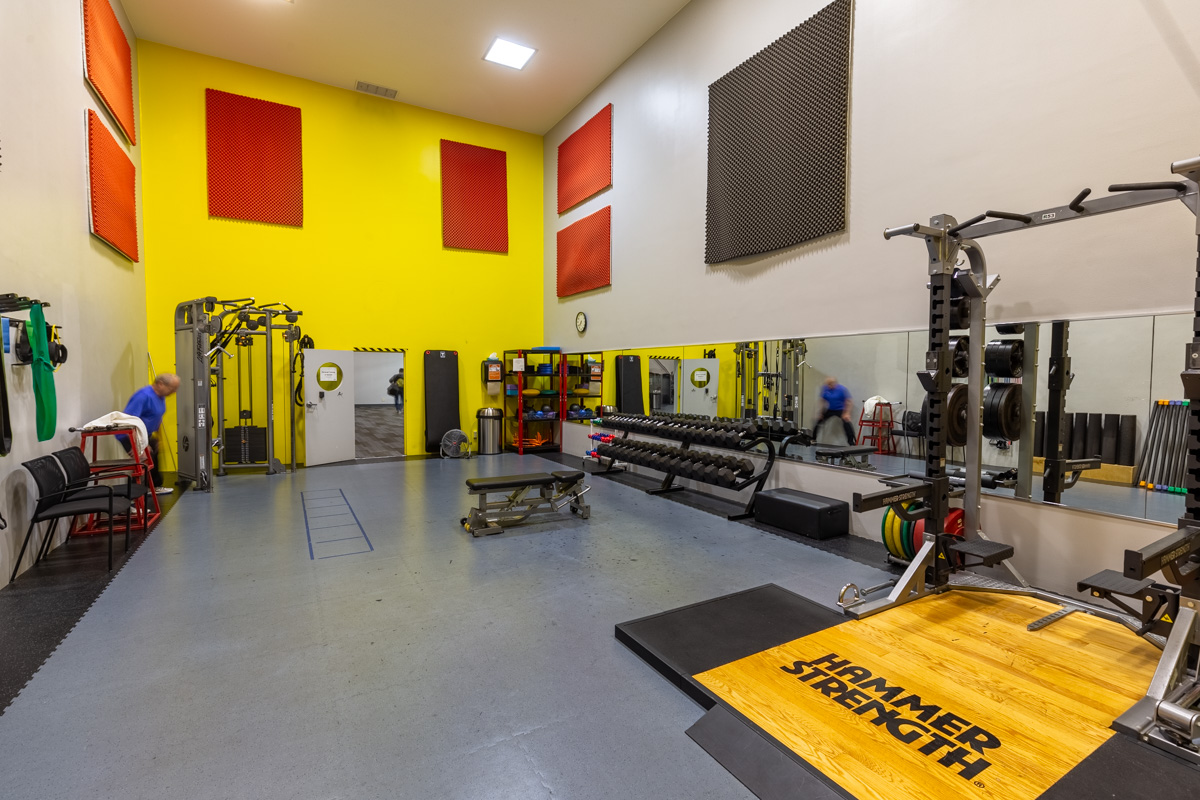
column 225, row 661
column 378, row 432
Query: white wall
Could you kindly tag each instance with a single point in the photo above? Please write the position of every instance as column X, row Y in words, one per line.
column 956, row 107
column 372, row 372
column 46, row 252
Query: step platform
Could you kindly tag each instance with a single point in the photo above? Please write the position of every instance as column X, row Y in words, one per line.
column 1110, row 582
column 930, row 699
column 988, row 552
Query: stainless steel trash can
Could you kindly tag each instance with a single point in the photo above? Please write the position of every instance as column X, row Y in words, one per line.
column 491, row 424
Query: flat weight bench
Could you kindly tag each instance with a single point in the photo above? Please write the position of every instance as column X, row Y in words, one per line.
column 849, row 456
column 555, row 490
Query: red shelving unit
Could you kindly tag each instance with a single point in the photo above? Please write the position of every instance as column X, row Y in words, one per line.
column 524, row 430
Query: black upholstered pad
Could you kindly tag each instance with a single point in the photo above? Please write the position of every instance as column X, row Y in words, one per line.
column 569, row 476
column 509, row 482
column 855, row 450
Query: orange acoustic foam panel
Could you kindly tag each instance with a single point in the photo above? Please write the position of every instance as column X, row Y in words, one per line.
column 585, row 160
column 255, row 170
column 474, row 197
column 108, row 63
column 585, row 254
column 111, row 180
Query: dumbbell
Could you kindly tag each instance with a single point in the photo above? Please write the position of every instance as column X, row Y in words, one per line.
column 725, row 477
column 708, row 474
column 745, row 467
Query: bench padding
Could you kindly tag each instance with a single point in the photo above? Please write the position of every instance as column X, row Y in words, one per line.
column 570, row 476
column 854, row 450
column 511, row 482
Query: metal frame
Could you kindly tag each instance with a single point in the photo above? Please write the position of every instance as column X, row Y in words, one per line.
column 492, row 516
column 1166, row 716
column 946, row 239
column 201, row 337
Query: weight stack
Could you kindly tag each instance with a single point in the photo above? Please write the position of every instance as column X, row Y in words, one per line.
column 249, row 445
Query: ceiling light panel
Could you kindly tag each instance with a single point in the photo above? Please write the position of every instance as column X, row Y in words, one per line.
column 510, row 54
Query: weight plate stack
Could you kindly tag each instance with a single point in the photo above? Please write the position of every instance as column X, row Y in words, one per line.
column 960, row 356
column 1004, row 358
column 1002, row 410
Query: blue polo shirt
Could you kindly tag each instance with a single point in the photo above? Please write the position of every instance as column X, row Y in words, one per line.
column 836, row 397
column 148, row 406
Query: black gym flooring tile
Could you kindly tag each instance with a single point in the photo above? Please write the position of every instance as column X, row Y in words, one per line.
column 855, row 548
column 687, row 641
column 378, row 432
column 45, row 602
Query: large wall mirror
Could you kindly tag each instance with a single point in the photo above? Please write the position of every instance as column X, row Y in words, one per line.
column 1124, row 369
column 1126, row 376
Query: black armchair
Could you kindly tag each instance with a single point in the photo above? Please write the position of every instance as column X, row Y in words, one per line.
column 56, row 501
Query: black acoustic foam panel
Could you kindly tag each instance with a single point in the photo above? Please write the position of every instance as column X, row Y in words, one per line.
column 777, row 137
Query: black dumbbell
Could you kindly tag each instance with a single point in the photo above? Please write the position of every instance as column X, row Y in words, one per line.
column 745, row 467
column 725, row 477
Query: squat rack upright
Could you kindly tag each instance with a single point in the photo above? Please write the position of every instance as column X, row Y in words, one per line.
column 946, row 240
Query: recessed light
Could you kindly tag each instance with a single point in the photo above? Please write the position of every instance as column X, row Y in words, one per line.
column 509, row 53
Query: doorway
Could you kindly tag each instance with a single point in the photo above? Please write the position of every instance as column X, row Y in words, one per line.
column 378, row 403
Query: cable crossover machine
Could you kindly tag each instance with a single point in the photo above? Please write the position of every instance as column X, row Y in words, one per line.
column 208, row 333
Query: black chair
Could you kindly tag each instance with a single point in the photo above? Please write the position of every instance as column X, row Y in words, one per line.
column 80, row 475
column 912, row 429
column 55, row 503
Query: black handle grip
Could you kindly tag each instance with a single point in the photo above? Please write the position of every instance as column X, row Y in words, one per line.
column 1146, row 187
column 1010, row 215
column 962, row 225
column 1076, row 205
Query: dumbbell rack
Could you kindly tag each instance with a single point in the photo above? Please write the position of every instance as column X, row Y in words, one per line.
column 688, row 431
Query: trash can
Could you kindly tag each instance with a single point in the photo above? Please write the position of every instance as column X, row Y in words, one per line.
column 491, row 421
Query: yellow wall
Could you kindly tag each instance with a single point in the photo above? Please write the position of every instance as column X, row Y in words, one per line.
column 368, row 268
column 726, row 381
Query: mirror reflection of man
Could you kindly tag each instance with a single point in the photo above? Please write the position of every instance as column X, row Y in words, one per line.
column 836, row 402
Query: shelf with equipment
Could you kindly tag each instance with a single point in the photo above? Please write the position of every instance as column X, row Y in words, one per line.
column 533, row 383
column 583, row 382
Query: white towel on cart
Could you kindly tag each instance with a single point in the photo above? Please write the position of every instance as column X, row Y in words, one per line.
column 120, row 418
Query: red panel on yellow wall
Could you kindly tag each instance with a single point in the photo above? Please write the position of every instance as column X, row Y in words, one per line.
column 585, row 254
column 108, row 63
column 113, row 199
column 585, row 160
column 474, row 197
column 255, row 169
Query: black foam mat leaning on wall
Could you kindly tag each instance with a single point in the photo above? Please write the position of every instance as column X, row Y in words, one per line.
column 629, row 385
column 777, row 138
column 441, row 396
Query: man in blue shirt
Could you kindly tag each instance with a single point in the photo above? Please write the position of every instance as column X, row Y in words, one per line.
column 835, row 399
column 149, row 404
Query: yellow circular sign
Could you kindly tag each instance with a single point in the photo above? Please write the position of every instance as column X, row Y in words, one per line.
column 700, row 377
column 329, row 376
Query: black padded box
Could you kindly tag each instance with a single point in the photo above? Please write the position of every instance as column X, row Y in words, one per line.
column 807, row 514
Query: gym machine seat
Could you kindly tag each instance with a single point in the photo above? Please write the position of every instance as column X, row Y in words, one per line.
column 554, row 490
column 847, row 456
